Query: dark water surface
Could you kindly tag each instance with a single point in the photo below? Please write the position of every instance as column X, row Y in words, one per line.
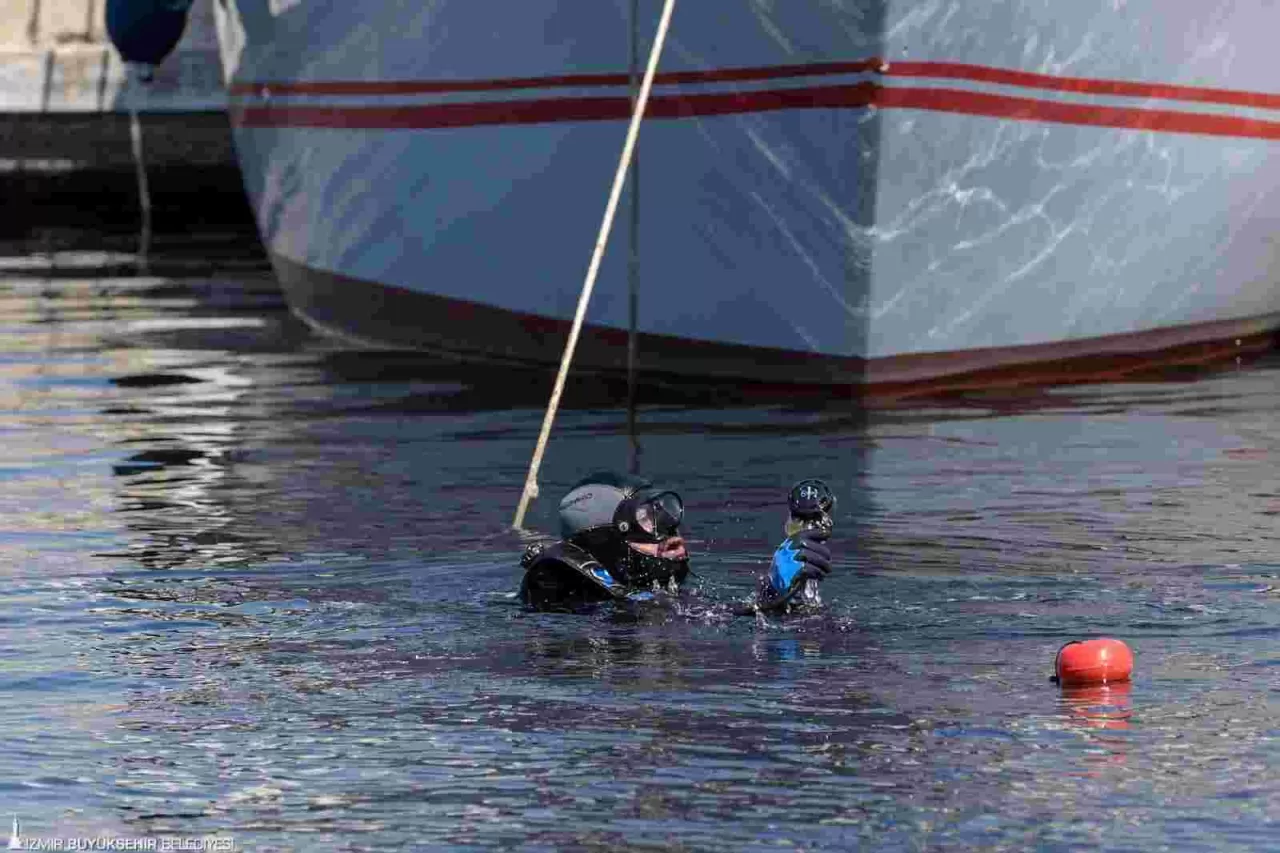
column 260, row 586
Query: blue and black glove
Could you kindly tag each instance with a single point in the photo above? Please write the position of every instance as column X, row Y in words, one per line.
column 800, row 557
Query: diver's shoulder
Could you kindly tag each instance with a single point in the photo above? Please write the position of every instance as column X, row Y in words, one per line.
column 561, row 573
column 557, row 552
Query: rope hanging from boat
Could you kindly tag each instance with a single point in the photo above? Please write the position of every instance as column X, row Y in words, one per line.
column 619, row 179
column 633, row 267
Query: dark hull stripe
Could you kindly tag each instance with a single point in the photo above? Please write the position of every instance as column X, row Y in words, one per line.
column 398, row 317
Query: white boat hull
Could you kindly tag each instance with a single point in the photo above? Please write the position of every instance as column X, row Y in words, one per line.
column 890, row 193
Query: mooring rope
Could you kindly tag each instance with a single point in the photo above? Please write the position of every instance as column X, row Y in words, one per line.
column 633, row 267
column 619, row 179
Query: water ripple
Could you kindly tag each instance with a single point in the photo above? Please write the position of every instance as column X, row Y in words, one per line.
column 261, row 585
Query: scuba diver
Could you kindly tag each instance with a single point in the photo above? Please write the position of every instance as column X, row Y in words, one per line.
column 620, row 541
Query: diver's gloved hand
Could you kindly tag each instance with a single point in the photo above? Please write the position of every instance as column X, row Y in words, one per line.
column 800, row 556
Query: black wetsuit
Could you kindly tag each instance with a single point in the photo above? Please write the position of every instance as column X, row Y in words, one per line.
column 563, row 576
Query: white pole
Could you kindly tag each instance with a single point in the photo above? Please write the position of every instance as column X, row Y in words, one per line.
column 619, row 179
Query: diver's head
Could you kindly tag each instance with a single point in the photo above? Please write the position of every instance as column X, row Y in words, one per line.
column 632, row 528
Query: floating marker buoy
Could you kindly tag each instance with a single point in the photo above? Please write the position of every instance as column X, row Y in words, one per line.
column 1086, row 662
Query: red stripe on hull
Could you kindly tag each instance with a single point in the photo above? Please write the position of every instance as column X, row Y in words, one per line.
column 1058, row 112
column 564, row 81
column 1084, row 85
column 548, row 110
column 938, row 70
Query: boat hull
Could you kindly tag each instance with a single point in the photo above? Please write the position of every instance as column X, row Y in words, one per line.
column 371, row 314
column 885, row 209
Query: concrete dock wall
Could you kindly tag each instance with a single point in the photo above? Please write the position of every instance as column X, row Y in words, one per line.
column 55, row 57
column 67, row 164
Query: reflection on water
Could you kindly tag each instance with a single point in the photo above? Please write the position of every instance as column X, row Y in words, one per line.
column 261, row 585
column 1108, row 706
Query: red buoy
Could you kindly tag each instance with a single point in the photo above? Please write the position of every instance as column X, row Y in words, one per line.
column 1085, row 662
